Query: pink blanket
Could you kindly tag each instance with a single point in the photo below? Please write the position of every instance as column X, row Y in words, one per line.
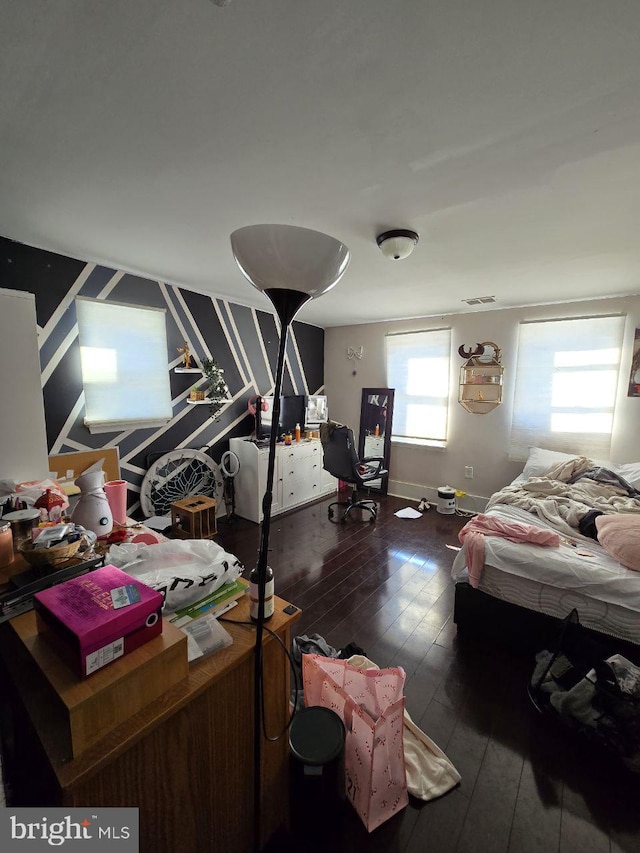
column 473, row 533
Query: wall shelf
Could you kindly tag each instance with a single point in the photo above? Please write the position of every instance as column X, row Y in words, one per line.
column 198, row 402
column 187, row 370
column 481, row 378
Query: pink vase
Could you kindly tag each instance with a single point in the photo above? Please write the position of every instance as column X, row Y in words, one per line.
column 116, row 492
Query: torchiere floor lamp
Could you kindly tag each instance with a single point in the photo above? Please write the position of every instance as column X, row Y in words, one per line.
column 290, row 265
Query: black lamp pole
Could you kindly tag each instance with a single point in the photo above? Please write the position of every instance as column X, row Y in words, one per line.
column 277, row 260
column 287, row 304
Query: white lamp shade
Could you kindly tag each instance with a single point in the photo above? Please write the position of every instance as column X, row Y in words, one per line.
column 288, row 257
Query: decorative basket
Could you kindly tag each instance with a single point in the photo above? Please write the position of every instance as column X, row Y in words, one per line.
column 196, row 394
column 40, row 558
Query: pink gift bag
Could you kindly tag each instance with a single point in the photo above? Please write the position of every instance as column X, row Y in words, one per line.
column 371, row 706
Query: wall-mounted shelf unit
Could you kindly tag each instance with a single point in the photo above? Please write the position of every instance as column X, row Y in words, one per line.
column 481, row 378
column 198, row 402
column 187, row 370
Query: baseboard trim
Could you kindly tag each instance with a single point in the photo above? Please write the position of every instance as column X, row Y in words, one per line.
column 415, row 492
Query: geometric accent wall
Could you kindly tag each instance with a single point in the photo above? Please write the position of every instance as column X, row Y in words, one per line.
column 243, row 341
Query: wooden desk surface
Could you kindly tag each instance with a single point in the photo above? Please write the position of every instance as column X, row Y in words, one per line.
column 18, row 565
column 203, row 673
column 185, row 760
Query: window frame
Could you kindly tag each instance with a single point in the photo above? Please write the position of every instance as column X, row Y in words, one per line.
column 155, row 363
column 402, row 395
column 529, row 407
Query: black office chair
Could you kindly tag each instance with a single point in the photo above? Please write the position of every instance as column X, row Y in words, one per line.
column 341, row 460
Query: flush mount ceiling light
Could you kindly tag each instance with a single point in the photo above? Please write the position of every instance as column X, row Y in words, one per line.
column 397, row 244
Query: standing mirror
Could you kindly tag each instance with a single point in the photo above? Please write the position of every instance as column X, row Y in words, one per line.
column 376, row 417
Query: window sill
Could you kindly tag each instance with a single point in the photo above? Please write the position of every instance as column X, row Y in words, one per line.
column 95, row 427
column 420, row 442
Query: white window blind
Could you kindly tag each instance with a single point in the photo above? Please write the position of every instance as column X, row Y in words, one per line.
column 566, row 380
column 418, row 369
column 125, row 373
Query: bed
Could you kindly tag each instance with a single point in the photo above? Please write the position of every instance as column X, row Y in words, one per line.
column 524, row 590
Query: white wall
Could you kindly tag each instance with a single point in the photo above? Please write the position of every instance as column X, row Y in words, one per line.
column 22, row 427
column 481, row 441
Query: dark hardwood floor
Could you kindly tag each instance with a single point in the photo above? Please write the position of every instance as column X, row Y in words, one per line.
column 526, row 784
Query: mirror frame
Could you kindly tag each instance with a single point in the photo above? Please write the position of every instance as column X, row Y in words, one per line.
column 366, row 393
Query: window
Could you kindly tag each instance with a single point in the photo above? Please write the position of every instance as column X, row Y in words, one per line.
column 566, row 380
column 418, row 370
column 125, row 374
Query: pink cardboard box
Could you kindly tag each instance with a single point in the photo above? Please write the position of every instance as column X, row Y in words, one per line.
column 97, row 618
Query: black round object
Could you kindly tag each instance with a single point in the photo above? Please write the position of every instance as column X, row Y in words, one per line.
column 316, row 736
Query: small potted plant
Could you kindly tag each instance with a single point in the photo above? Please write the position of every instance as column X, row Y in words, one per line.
column 217, row 392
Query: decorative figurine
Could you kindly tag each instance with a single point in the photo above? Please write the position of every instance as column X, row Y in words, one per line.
column 186, row 355
column 52, row 503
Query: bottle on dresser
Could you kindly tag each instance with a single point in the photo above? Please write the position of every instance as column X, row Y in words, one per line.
column 268, row 594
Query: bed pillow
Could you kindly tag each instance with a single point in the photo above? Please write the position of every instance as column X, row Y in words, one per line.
column 541, row 460
column 619, row 535
column 630, row 472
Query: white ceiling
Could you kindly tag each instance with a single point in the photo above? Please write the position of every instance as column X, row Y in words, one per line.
column 506, row 132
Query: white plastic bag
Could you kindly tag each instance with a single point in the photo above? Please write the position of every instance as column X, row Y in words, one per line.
column 183, row 570
column 29, row 492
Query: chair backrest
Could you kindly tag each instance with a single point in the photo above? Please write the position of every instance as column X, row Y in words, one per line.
column 340, row 455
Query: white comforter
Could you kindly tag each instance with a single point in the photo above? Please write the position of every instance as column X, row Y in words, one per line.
column 583, row 567
column 580, row 563
column 562, row 504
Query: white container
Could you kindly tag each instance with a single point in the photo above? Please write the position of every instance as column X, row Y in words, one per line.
column 446, row 500
column 92, row 510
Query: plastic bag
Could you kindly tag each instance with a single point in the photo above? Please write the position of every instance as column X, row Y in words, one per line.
column 430, row 774
column 371, row 706
column 29, row 492
column 183, row 570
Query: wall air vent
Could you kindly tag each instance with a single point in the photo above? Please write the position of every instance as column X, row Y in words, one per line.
column 479, row 300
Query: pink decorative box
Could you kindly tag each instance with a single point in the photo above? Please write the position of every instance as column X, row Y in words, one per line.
column 97, row 618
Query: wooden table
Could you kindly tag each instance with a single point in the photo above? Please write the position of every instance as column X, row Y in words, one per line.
column 185, row 759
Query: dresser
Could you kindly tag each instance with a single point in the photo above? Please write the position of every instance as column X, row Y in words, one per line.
column 185, row 759
column 298, row 479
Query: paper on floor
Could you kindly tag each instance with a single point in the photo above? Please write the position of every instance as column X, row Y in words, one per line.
column 408, row 512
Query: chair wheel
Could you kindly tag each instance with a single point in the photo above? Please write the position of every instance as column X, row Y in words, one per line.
column 330, row 513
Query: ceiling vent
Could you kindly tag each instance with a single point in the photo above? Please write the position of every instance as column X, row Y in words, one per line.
column 480, row 300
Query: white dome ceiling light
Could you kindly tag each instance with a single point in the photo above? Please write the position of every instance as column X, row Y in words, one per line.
column 397, row 244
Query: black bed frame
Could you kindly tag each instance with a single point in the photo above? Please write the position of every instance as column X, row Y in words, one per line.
column 527, row 631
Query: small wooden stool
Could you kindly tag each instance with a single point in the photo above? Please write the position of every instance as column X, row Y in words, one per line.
column 194, row 518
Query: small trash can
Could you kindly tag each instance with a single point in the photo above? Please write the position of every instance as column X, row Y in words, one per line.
column 446, row 500
column 316, row 738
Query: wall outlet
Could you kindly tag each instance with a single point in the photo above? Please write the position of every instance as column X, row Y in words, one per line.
column 468, row 472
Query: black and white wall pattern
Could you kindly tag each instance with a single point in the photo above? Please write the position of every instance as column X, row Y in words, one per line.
column 243, row 341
